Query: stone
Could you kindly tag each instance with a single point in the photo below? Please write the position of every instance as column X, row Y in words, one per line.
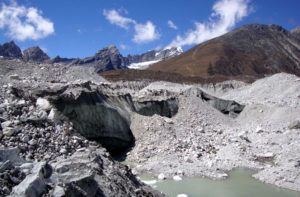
column 259, row 130
column 51, row 115
column 58, row 192
column 6, row 124
column 25, row 138
column 265, row 157
column 32, row 142
column 84, row 174
column 9, row 131
column 169, row 121
column 14, row 77
column 43, row 104
column 35, row 184
column 161, row 176
column 294, row 125
column 63, row 151
column 21, row 102
column 42, row 115
column 222, row 175
column 177, row 178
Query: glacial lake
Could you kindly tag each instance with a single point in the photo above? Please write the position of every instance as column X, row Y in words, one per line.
column 239, row 184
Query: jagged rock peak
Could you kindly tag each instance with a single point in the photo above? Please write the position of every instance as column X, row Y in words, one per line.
column 296, row 32
column 35, row 54
column 10, row 50
column 110, row 49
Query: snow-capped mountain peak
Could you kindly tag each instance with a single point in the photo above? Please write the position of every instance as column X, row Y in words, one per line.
column 143, row 61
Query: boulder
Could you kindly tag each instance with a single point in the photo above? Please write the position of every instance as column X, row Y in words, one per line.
column 9, row 131
column 294, row 125
column 161, row 176
column 14, row 77
column 6, row 124
column 91, row 173
column 43, row 104
column 35, row 184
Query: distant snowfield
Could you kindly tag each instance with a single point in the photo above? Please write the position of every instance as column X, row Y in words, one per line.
column 142, row 65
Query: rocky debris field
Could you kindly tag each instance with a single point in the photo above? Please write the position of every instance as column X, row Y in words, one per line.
column 201, row 141
column 41, row 153
column 56, row 119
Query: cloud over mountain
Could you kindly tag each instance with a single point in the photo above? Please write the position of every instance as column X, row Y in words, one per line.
column 225, row 15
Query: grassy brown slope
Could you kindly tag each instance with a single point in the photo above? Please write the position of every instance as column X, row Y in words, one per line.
column 148, row 75
column 252, row 50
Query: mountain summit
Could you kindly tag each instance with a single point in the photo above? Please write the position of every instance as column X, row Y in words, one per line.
column 10, row 50
column 35, row 54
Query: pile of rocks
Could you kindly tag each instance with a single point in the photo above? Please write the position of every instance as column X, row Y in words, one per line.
column 28, row 126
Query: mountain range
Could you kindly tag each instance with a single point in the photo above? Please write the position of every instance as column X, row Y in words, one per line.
column 108, row 58
column 246, row 53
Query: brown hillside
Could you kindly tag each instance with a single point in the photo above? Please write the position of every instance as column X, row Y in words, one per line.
column 252, row 50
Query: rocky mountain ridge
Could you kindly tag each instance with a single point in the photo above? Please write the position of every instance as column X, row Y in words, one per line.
column 108, row 58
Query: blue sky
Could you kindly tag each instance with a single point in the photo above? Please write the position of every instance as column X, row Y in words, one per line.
column 76, row 28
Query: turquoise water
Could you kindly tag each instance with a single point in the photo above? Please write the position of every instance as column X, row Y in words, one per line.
column 240, row 184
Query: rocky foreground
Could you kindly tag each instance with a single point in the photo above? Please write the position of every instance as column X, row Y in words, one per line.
column 43, row 154
column 61, row 124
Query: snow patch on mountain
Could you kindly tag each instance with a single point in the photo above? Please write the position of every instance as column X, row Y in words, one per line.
column 142, row 65
column 145, row 60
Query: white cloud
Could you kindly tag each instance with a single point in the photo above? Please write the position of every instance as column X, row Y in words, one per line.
column 172, row 25
column 142, row 32
column 115, row 18
column 22, row 23
column 145, row 32
column 226, row 13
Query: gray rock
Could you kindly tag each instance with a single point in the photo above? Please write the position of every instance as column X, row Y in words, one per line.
column 25, row 138
column 58, row 192
column 295, row 125
column 35, row 184
column 9, row 131
column 103, row 177
column 32, row 142
column 6, row 124
column 14, row 77
column 6, row 166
